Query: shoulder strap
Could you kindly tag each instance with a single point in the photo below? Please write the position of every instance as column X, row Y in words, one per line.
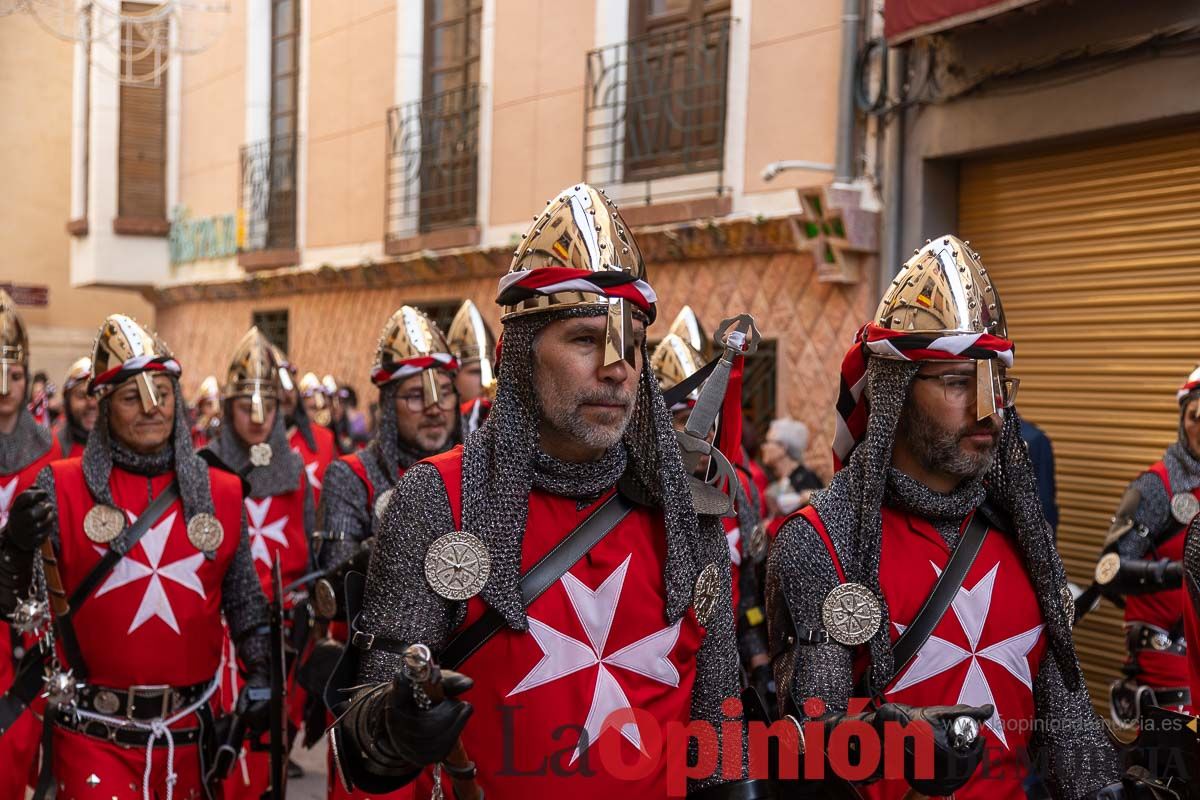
column 947, row 586
column 541, row 576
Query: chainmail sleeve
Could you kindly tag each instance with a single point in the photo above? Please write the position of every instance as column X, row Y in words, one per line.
column 310, row 522
column 799, row 576
column 242, row 598
column 1153, row 513
column 343, row 516
column 398, row 602
column 1070, row 742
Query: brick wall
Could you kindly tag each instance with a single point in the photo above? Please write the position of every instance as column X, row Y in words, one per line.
column 336, row 330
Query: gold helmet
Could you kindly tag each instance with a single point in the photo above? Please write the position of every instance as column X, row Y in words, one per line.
column 286, row 369
column 410, row 344
column 673, row 361
column 579, row 253
column 254, row 373
column 123, row 350
column 944, row 290
column 14, row 342
column 470, row 339
column 687, row 327
column 310, row 386
column 209, row 390
column 79, row 372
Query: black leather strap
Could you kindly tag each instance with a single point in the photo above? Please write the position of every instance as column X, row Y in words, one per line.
column 679, row 392
column 541, row 576
column 947, row 586
column 25, row 686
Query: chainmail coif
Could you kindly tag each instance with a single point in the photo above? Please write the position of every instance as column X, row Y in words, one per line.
column 27, row 443
column 1154, row 501
column 280, row 476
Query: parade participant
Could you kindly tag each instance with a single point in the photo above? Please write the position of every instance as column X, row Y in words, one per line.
column 315, row 400
column 80, row 409
column 643, row 621
column 144, row 550
column 314, row 443
column 934, row 481
column 25, row 448
column 472, row 343
column 208, row 412
column 41, row 400
column 1141, row 567
column 279, row 503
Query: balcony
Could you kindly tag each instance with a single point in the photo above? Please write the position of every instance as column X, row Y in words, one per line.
column 267, row 209
column 654, row 116
column 433, row 172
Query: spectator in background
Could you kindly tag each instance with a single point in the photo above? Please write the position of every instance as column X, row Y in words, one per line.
column 783, row 456
column 1041, row 453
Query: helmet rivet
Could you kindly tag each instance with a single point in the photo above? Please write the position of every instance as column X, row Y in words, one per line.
column 602, row 245
column 929, row 241
column 624, row 249
column 991, row 306
column 577, row 188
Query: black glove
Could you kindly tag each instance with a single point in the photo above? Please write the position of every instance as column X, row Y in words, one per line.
column 30, row 520
column 955, row 758
column 1138, row 784
column 254, row 705
column 426, row 736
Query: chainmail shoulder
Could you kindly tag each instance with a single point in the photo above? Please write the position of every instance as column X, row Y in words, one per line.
column 398, row 602
column 26, row 444
column 1070, row 743
column 342, row 514
column 1191, row 567
column 242, row 597
column 1153, row 512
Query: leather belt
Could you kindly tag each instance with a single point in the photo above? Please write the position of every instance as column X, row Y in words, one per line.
column 1141, row 636
column 126, row 737
column 1169, row 698
column 139, row 702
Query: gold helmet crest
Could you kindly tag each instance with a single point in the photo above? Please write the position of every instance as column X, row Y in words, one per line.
column 253, row 372
column 79, row 372
column 411, row 343
column 470, row 339
column 125, row 349
column 579, row 253
column 14, row 341
column 687, row 326
column 674, row 360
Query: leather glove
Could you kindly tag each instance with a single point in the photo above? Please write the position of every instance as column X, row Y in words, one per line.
column 956, row 753
column 30, row 520
column 254, row 704
column 423, row 736
column 1137, row 784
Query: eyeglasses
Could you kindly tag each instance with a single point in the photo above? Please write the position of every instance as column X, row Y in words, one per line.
column 416, row 402
column 960, row 389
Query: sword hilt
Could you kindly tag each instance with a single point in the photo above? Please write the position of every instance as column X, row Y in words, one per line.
column 421, row 669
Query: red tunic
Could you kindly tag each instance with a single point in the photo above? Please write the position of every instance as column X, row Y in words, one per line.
column 1163, row 609
column 315, row 461
column 19, row 746
column 276, row 527
column 987, row 648
column 597, row 642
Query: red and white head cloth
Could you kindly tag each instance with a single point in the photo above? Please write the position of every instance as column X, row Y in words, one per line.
column 114, row 376
column 852, row 410
column 516, row 287
column 397, row 370
column 1190, row 385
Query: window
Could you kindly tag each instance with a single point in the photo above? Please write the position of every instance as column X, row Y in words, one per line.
column 142, row 134
column 758, row 386
column 273, row 325
column 441, row 312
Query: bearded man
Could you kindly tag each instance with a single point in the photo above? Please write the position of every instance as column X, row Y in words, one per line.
column 577, row 458
column 143, row 551
column 80, row 409
column 924, row 580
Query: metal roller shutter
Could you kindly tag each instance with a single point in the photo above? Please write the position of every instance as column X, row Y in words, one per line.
column 1096, row 253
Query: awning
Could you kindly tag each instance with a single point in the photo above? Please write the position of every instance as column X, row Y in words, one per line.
column 908, row 19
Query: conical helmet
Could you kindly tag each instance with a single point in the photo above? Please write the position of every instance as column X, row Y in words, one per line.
column 123, row 350
column 410, row 344
column 310, row 386
column 254, row 373
column 580, row 253
column 687, row 327
column 209, row 389
column 79, row 372
column 14, row 342
column 944, row 290
column 287, row 370
column 470, row 339
column 673, row 361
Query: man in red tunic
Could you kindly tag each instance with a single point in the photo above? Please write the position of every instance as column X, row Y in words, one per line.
column 80, row 408
column 314, row 443
column 641, row 626
column 137, row 603
column 25, row 448
column 472, row 343
column 279, row 506
column 932, row 463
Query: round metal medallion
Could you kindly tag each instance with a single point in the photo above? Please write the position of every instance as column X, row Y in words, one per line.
column 758, row 541
column 1160, row 641
column 1184, row 506
column 381, row 503
column 1107, row 568
column 963, row 733
column 106, row 702
column 260, row 454
column 706, row 592
column 324, row 599
column 103, row 524
column 205, row 532
column 851, row 614
column 457, row 565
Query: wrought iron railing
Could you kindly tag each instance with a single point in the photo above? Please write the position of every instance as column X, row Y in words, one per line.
column 268, row 199
column 655, row 108
column 433, row 163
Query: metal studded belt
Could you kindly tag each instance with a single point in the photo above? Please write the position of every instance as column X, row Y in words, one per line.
column 1141, row 636
column 140, row 702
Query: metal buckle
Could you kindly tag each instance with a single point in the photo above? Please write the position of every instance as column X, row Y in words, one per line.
column 148, row 691
column 363, row 641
